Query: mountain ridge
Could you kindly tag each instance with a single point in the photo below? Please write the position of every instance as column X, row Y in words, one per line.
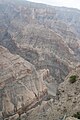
column 39, row 47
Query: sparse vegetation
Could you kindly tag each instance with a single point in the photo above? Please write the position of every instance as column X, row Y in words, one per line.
column 73, row 78
column 18, row 118
column 77, row 115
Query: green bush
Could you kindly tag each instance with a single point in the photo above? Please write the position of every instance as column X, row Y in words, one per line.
column 77, row 115
column 73, row 78
column 18, row 119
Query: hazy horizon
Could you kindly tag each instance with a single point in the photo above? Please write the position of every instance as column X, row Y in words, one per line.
column 61, row 3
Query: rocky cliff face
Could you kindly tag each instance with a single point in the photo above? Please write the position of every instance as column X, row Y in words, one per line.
column 67, row 104
column 20, row 83
column 24, row 31
column 28, row 24
column 37, row 51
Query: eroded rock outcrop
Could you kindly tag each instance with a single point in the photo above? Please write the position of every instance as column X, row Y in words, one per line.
column 19, row 82
column 37, row 51
column 39, row 34
column 67, row 105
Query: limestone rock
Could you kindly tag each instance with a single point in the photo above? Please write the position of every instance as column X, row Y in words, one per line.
column 39, row 34
column 19, row 82
column 39, row 46
column 67, row 105
column 71, row 118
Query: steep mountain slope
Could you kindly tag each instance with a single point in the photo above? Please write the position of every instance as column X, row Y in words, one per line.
column 20, row 83
column 65, row 106
column 41, row 35
column 39, row 46
column 68, row 103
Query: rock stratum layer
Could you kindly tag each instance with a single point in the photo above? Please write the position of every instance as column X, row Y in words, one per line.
column 20, row 83
column 67, row 104
column 39, row 34
column 39, row 46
